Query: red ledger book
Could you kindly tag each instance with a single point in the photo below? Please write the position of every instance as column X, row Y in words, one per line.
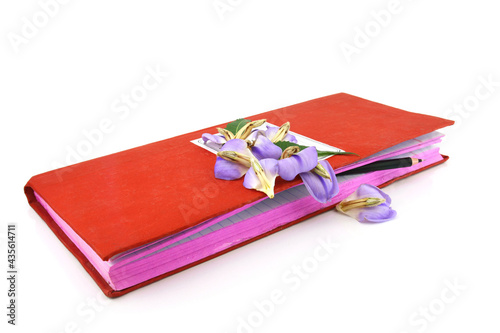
column 137, row 216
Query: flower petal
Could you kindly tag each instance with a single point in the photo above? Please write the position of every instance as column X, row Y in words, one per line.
column 369, row 191
column 228, row 170
column 236, row 145
column 264, row 148
column 270, row 167
column 271, row 131
column 380, row 213
column 217, row 138
column 320, row 188
column 301, row 162
column 375, row 214
column 251, row 180
column 291, row 138
column 253, row 135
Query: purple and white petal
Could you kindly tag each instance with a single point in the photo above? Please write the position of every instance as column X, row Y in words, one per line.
column 270, row 167
column 237, row 145
column 271, row 131
column 228, row 170
column 216, row 138
column 368, row 191
column 303, row 161
column 253, row 135
column 290, row 138
column 251, row 181
column 321, row 189
column 380, row 213
column 264, row 148
column 376, row 214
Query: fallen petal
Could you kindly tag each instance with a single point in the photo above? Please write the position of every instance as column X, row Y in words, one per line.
column 375, row 214
column 368, row 191
column 380, row 213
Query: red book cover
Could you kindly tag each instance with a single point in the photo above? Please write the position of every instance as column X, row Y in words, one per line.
column 124, row 200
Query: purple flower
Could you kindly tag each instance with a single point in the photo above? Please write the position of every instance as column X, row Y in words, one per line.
column 261, row 161
column 235, row 160
column 318, row 177
column 225, row 134
column 240, row 163
column 261, row 147
column 368, row 204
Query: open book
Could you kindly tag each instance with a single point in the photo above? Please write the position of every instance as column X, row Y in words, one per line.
column 125, row 243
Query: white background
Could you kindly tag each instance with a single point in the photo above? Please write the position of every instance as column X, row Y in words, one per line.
column 69, row 74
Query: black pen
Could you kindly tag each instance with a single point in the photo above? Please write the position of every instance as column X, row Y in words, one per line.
column 383, row 165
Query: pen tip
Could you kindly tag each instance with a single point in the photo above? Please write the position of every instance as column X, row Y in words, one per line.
column 420, row 160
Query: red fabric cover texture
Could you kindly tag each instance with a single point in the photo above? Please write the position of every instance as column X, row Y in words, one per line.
column 124, row 200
